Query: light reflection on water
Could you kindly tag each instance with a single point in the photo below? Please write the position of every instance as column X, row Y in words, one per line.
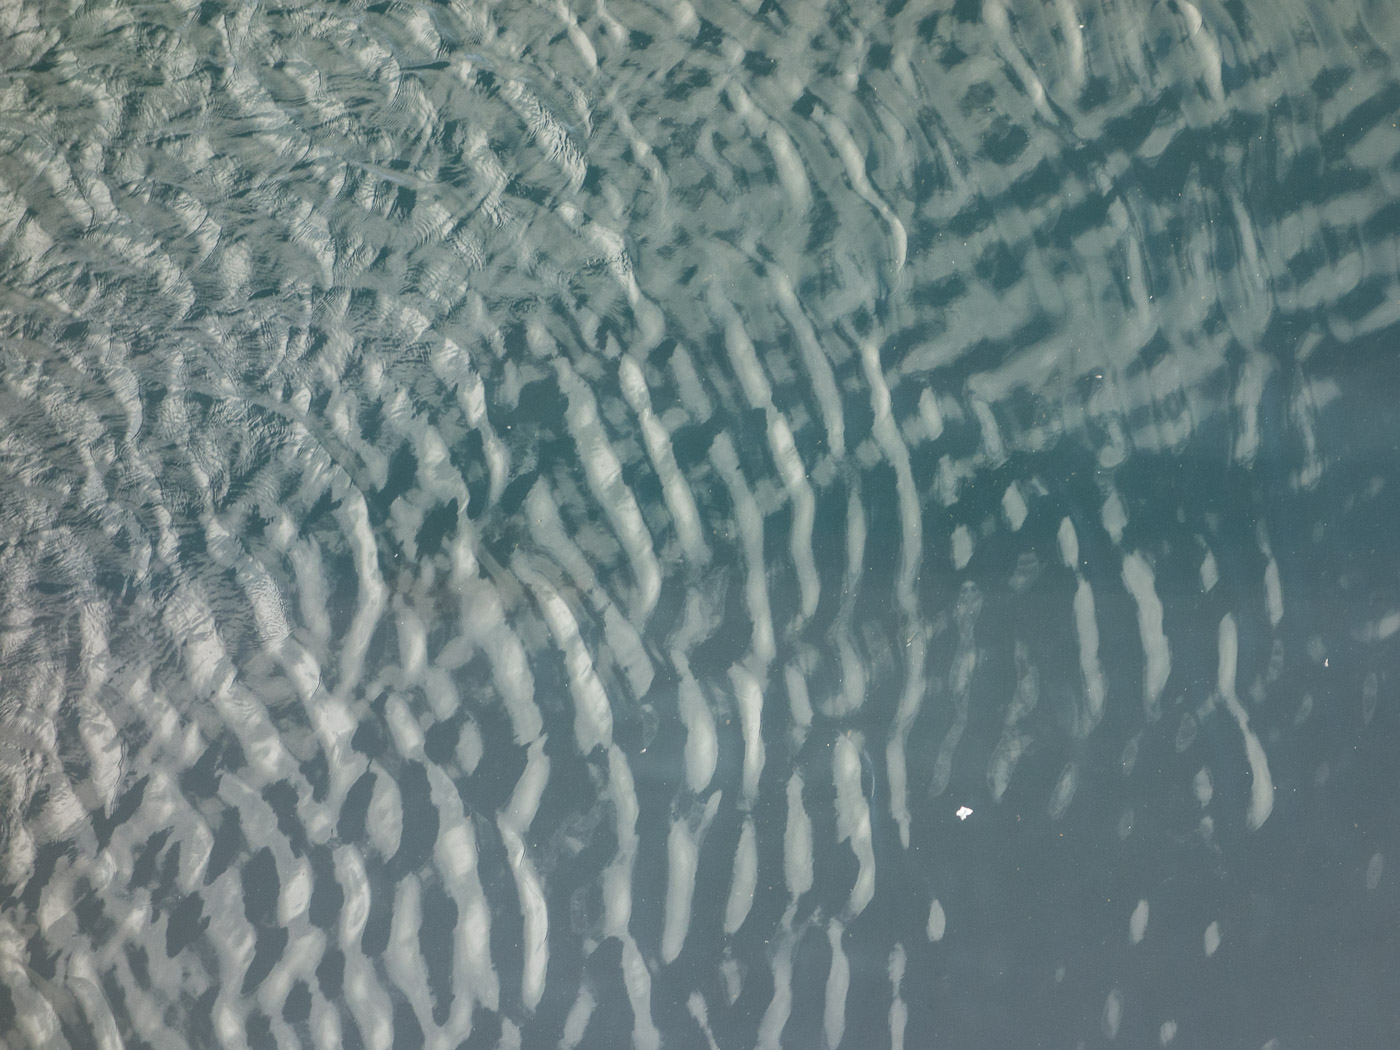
column 734, row 525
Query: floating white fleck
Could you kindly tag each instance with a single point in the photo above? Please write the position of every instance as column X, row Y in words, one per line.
column 1212, row 938
column 964, row 812
column 1167, row 1033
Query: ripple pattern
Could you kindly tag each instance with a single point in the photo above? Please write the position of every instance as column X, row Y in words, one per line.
column 528, row 525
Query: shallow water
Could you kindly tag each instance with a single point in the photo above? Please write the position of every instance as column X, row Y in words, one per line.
column 698, row 526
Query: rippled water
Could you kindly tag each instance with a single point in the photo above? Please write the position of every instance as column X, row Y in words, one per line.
column 533, row 525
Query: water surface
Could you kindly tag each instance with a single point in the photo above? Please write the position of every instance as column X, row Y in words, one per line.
column 698, row 525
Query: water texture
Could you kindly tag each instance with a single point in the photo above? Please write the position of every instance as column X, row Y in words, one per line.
column 699, row 525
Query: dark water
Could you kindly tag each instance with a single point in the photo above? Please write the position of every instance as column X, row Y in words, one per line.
column 532, row 525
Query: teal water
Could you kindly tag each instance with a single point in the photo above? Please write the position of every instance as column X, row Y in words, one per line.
column 531, row 526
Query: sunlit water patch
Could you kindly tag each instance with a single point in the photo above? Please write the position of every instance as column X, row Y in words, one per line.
column 701, row 526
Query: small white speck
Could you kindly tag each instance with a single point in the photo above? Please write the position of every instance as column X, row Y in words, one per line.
column 964, row 812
